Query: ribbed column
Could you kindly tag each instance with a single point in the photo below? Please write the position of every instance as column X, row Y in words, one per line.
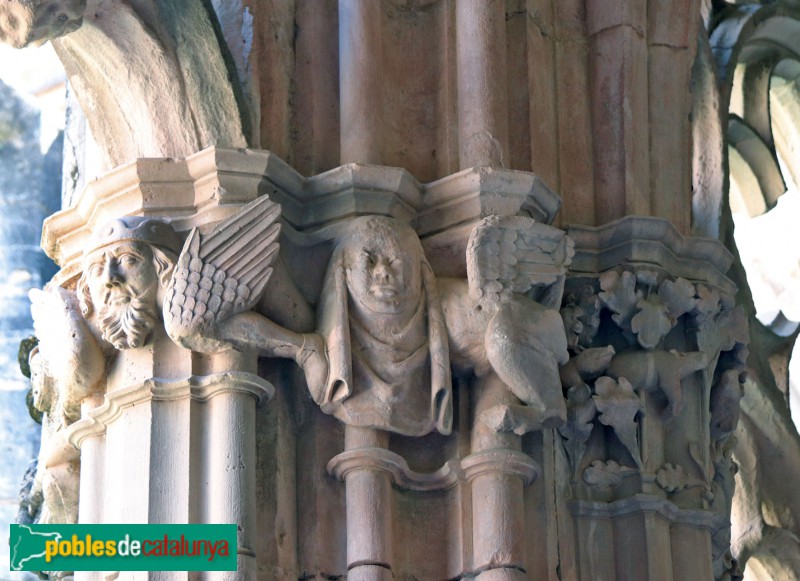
column 360, row 80
column 177, row 451
column 481, row 71
column 228, row 453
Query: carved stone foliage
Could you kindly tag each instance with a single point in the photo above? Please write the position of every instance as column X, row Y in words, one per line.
column 673, row 350
column 653, row 411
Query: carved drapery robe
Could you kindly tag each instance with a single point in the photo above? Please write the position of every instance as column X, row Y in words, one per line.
column 403, row 387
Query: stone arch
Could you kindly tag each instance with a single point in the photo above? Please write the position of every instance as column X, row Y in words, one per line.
column 754, row 47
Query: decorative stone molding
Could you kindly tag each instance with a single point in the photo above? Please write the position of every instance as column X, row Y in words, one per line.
column 642, row 502
column 650, row 241
column 382, row 459
column 508, row 462
column 196, row 388
column 211, row 185
column 453, row 471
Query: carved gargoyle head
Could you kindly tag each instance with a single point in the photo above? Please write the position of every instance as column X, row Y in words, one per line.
column 382, row 260
column 125, row 272
column 26, row 22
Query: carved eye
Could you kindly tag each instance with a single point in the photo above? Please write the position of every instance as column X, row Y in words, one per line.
column 128, row 259
column 96, row 269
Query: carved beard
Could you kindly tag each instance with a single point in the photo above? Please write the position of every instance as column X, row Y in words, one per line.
column 127, row 325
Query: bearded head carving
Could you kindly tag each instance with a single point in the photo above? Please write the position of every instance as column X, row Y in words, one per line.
column 124, row 275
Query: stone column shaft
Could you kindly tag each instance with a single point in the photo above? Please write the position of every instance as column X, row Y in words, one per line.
column 369, row 512
column 498, row 527
column 228, row 459
column 229, row 474
column 360, row 80
column 481, row 69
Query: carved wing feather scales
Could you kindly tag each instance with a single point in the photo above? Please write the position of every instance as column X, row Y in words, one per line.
column 224, row 272
column 514, row 254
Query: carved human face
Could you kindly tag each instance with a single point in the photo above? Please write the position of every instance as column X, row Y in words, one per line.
column 382, row 260
column 123, row 286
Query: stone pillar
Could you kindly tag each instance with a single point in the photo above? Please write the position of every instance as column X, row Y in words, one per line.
column 480, row 67
column 653, row 384
column 227, row 474
column 361, row 89
column 369, row 509
column 497, row 471
column 193, row 462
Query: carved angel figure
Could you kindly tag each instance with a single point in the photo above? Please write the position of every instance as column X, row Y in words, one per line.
column 504, row 323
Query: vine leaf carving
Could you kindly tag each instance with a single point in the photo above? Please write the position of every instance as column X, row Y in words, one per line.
column 678, row 296
column 581, row 315
column 723, row 332
column 619, row 405
column 707, row 304
column 581, row 410
column 651, row 323
column 606, row 474
column 672, row 478
column 658, row 314
column 619, row 295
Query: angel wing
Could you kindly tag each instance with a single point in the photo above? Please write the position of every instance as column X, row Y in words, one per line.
column 221, row 273
column 515, row 254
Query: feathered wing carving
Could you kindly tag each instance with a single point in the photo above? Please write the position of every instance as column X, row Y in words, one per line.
column 221, row 273
column 517, row 268
column 514, row 254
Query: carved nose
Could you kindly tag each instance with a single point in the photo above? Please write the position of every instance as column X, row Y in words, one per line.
column 112, row 275
column 381, row 270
